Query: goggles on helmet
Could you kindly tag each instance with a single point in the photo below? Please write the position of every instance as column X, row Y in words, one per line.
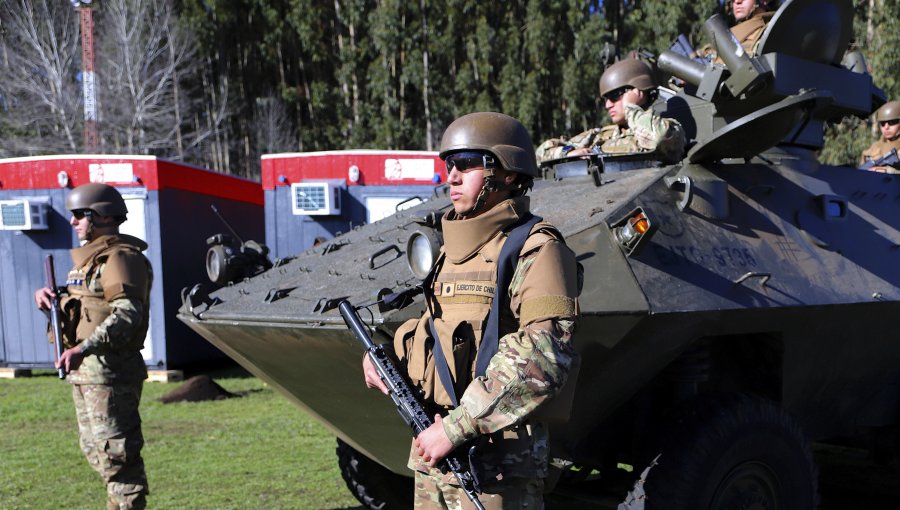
column 465, row 161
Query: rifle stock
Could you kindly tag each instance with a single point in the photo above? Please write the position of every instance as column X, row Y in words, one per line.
column 54, row 312
column 404, row 397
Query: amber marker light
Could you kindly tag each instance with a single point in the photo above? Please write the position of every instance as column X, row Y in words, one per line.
column 633, row 231
column 640, row 223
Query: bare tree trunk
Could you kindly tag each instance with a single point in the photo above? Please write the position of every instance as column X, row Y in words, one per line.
column 40, row 48
column 345, row 91
column 176, row 97
column 870, row 24
column 429, row 143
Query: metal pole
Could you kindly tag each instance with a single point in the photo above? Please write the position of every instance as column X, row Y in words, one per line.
column 88, row 80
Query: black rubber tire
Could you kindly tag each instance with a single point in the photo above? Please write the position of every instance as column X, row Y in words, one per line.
column 375, row 486
column 731, row 452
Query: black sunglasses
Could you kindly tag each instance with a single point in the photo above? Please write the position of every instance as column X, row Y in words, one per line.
column 81, row 213
column 617, row 94
column 892, row 122
column 464, row 161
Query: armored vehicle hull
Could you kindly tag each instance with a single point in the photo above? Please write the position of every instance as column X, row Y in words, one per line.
column 775, row 278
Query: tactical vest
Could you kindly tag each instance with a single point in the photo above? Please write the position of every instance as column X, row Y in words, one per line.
column 459, row 299
column 87, row 305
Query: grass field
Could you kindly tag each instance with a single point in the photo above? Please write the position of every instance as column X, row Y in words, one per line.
column 254, row 452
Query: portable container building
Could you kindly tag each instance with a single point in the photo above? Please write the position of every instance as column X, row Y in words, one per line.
column 169, row 206
column 314, row 196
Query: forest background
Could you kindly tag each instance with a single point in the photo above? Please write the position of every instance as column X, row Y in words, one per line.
column 217, row 83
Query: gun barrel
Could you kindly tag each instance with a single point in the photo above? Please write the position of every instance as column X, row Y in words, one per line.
column 727, row 46
column 410, row 409
column 681, row 67
column 54, row 313
column 351, row 318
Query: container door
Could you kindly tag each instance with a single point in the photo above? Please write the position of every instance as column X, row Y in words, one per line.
column 136, row 225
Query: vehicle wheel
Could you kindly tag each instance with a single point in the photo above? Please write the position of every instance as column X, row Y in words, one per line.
column 375, row 486
column 732, row 452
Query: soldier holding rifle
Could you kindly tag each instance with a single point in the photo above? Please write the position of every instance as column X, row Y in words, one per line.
column 881, row 156
column 105, row 315
column 485, row 380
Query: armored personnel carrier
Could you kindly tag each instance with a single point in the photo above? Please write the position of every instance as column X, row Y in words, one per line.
column 736, row 305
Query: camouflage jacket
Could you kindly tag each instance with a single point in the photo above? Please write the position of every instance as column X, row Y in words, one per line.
column 535, row 350
column 646, row 131
column 106, row 309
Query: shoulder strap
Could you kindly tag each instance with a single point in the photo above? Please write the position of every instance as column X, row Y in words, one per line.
column 440, row 362
column 506, row 266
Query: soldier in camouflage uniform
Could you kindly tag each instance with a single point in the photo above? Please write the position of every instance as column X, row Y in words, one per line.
column 105, row 309
column 490, row 162
column 628, row 88
column 888, row 118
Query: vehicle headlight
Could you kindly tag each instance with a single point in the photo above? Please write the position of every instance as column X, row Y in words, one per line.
column 421, row 251
column 217, row 264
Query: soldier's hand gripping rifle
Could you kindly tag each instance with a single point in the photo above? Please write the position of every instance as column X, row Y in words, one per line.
column 409, row 407
column 54, row 312
column 890, row 159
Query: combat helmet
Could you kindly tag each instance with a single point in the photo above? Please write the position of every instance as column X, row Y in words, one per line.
column 501, row 135
column 100, row 198
column 888, row 111
column 629, row 72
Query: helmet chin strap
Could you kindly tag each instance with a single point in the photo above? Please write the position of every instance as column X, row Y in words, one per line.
column 92, row 223
column 491, row 185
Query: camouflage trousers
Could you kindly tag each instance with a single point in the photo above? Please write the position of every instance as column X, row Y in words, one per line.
column 433, row 493
column 109, row 426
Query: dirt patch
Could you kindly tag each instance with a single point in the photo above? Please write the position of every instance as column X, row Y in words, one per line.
column 197, row 389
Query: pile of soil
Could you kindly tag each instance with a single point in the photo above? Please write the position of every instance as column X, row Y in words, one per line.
column 197, row 389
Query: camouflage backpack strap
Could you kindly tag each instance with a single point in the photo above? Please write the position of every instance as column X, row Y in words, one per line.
column 506, row 266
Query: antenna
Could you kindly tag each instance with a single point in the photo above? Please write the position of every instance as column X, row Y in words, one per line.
column 235, row 234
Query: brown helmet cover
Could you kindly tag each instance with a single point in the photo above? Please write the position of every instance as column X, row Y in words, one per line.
column 501, row 135
column 888, row 111
column 101, row 198
column 628, row 72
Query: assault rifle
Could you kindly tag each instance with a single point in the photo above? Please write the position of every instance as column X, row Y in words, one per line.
column 889, row 159
column 54, row 312
column 409, row 407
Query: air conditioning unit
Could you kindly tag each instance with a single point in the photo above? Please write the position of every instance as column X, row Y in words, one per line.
column 316, row 198
column 24, row 214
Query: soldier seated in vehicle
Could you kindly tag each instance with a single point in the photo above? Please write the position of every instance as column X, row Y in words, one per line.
column 751, row 18
column 628, row 88
column 888, row 118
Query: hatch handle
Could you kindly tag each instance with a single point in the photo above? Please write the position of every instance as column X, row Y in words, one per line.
column 685, row 182
column 764, row 277
column 382, row 251
column 410, row 199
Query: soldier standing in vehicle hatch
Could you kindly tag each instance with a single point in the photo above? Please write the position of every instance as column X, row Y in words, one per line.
column 888, row 118
column 490, row 164
column 628, row 88
column 105, row 309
